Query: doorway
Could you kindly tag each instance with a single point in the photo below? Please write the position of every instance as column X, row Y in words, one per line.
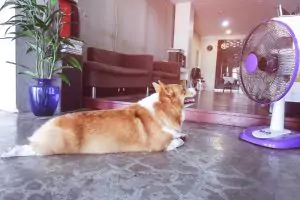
column 227, row 66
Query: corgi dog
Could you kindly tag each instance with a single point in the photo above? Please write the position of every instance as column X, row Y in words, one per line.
column 151, row 125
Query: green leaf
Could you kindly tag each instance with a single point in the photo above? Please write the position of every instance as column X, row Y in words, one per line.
column 41, row 7
column 64, row 78
column 20, row 34
column 51, row 18
column 7, row 3
column 74, row 62
column 28, row 73
column 29, row 50
column 39, row 24
column 26, row 33
column 15, row 22
column 16, row 17
column 60, row 68
column 19, row 65
column 66, row 41
column 8, row 30
column 32, row 47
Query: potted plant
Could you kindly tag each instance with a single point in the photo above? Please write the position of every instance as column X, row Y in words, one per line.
column 40, row 25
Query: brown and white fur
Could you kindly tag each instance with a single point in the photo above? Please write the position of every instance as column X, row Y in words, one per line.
column 152, row 124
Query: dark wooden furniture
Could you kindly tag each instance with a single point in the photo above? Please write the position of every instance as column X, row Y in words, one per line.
column 75, row 26
column 72, row 96
column 177, row 56
column 292, row 109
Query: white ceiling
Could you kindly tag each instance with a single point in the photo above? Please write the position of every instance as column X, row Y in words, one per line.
column 243, row 15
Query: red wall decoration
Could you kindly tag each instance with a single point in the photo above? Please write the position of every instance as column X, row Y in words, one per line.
column 66, row 8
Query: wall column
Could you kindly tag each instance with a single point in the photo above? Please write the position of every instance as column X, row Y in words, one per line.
column 184, row 30
column 7, row 71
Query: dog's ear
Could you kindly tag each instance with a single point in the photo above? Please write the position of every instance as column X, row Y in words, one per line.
column 157, row 87
column 161, row 83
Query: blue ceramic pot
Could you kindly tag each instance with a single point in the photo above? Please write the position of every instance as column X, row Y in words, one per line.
column 44, row 97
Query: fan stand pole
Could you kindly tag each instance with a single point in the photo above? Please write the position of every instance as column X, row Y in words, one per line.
column 278, row 114
column 276, row 128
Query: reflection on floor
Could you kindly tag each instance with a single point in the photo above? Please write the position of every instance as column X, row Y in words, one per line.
column 211, row 101
column 210, row 107
column 212, row 165
column 228, row 102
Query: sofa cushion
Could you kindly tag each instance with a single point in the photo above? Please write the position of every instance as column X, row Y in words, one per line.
column 164, row 74
column 114, row 69
column 169, row 67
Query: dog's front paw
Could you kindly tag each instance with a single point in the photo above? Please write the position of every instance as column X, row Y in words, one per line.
column 180, row 135
column 175, row 143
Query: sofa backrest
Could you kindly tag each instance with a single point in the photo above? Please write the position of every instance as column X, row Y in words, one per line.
column 138, row 61
column 103, row 56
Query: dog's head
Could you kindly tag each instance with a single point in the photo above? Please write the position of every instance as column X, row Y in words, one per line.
column 173, row 92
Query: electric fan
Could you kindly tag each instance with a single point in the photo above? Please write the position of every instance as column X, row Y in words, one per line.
column 268, row 68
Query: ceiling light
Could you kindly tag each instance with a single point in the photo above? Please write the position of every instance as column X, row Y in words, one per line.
column 225, row 23
column 228, row 31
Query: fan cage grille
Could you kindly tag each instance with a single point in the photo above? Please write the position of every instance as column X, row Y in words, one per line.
column 275, row 42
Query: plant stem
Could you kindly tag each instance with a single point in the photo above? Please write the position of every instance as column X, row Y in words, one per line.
column 53, row 63
column 38, row 58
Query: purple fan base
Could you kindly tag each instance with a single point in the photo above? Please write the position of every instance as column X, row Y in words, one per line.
column 289, row 141
column 251, row 63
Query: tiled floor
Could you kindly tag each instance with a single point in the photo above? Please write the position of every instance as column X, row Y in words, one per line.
column 213, row 164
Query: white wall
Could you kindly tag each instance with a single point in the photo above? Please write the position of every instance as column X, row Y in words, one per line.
column 7, row 71
column 209, row 58
column 131, row 26
column 196, row 47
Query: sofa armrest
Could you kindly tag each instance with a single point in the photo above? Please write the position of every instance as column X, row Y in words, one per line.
column 170, row 67
column 93, row 66
column 138, row 61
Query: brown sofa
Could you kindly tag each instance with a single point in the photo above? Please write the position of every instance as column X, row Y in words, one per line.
column 166, row 72
column 108, row 69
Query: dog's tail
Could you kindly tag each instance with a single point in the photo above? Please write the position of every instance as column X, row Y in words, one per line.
column 19, row 151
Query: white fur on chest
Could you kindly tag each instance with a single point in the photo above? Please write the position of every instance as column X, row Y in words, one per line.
column 149, row 102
